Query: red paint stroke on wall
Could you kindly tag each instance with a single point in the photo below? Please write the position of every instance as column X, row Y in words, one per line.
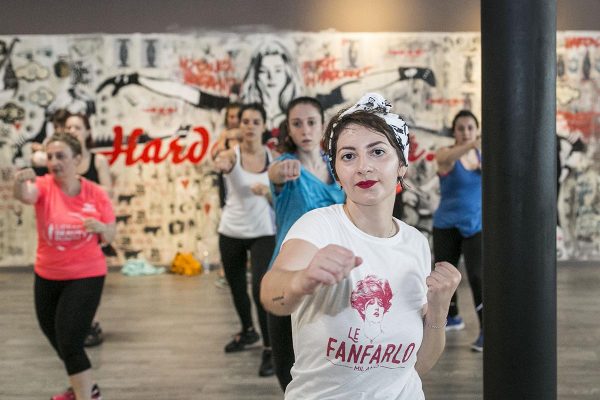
column 406, row 53
column 413, row 152
column 325, row 70
column 216, row 75
column 163, row 111
column 587, row 123
column 445, row 102
column 154, row 150
column 583, row 41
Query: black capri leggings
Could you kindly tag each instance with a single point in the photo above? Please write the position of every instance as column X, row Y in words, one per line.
column 234, row 257
column 65, row 310
column 280, row 330
column 448, row 244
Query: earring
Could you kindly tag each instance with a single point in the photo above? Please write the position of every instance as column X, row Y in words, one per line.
column 400, row 186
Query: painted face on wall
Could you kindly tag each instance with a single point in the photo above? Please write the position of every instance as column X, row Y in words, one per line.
column 305, row 126
column 465, row 130
column 252, row 125
column 76, row 127
column 271, row 74
column 367, row 165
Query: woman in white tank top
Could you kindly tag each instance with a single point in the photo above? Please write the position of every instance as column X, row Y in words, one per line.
column 247, row 225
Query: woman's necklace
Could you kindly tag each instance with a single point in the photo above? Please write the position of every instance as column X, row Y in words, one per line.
column 391, row 233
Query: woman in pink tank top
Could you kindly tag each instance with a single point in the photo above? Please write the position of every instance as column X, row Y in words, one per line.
column 74, row 216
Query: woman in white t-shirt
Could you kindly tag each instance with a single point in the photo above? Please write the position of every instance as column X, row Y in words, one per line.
column 368, row 313
column 247, row 226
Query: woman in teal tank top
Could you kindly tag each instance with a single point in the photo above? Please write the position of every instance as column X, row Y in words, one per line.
column 457, row 221
column 301, row 180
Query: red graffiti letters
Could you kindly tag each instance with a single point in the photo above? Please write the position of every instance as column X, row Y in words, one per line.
column 154, row 152
column 325, row 70
column 214, row 75
column 581, row 42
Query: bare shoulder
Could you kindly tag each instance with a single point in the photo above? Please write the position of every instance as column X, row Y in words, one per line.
column 442, row 158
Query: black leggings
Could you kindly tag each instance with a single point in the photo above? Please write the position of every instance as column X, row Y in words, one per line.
column 234, row 257
column 280, row 329
column 448, row 244
column 65, row 310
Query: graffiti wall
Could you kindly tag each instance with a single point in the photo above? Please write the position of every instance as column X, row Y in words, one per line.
column 156, row 106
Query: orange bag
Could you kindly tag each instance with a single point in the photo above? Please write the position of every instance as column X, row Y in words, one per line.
column 185, row 264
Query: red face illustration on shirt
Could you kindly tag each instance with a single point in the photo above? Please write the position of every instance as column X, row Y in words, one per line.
column 372, row 298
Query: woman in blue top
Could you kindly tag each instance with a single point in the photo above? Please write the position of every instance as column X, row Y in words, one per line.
column 457, row 221
column 301, row 180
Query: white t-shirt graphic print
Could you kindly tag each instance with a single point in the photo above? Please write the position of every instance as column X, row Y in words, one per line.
column 359, row 339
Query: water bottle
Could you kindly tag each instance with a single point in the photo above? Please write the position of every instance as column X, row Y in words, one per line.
column 205, row 262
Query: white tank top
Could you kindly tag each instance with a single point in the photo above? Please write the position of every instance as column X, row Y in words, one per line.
column 245, row 214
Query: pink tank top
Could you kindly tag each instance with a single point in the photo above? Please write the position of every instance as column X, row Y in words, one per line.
column 65, row 250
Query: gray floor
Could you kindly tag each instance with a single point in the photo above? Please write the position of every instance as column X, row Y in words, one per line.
column 165, row 337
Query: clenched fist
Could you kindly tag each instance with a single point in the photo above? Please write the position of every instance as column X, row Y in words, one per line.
column 24, row 175
column 224, row 161
column 441, row 285
column 289, row 170
column 93, row 225
column 260, row 190
column 330, row 265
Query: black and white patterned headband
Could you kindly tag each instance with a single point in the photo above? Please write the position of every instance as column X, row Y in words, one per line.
column 375, row 103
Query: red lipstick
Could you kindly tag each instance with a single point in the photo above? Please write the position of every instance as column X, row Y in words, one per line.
column 365, row 184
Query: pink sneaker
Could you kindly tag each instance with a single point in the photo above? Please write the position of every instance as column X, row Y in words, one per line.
column 68, row 395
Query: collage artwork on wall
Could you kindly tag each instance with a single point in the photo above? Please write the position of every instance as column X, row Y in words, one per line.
column 156, row 105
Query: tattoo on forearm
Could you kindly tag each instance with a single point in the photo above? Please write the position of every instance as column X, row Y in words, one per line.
column 279, row 299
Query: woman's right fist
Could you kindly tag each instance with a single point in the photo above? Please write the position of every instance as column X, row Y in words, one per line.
column 24, row 175
column 289, row 170
column 329, row 265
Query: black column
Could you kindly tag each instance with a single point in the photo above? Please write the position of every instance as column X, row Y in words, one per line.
column 519, row 198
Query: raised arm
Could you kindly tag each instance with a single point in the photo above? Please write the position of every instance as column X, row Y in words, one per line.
column 441, row 284
column 299, row 270
column 24, row 189
column 281, row 172
column 446, row 156
column 225, row 161
column 221, row 142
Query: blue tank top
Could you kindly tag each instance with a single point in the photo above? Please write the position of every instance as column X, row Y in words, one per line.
column 297, row 197
column 460, row 204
